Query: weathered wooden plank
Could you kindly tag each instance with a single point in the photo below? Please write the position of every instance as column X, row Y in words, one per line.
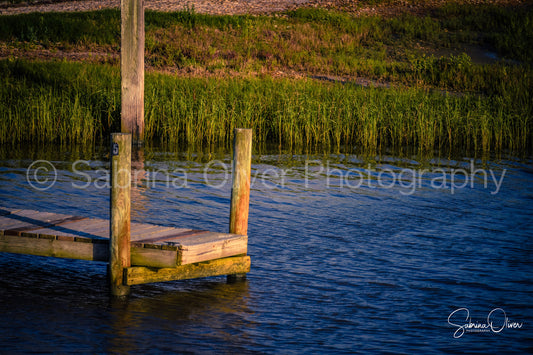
column 89, row 225
column 171, row 235
column 153, row 257
column 140, row 227
column 15, row 221
column 20, row 226
column 51, row 222
column 89, row 228
column 205, row 238
column 70, row 220
column 232, row 265
column 216, row 248
column 160, row 236
column 5, row 211
column 164, row 231
column 49, row 246
column 84, row 249
column 37, row 216
column 28, row 220
column 142, row 230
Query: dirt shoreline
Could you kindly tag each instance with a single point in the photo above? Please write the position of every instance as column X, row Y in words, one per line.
column 214, row 7
column 239, row 7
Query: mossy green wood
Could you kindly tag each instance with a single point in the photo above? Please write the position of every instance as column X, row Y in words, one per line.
column 225, row 266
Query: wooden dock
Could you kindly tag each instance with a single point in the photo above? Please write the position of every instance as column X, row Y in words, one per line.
column 138, row 253
column 152, row 246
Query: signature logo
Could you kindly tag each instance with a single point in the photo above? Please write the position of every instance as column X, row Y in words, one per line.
column 497, row 321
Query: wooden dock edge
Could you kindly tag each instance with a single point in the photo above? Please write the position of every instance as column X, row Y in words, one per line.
column 54, row 246
column 85, row 249
column 142, row 254
column 226, row 266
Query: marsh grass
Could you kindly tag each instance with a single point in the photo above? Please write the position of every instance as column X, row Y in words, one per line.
column 57, row 101
column 442, row 103
column 70, row 102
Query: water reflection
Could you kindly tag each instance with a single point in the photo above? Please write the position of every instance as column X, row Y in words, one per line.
column 165, row 312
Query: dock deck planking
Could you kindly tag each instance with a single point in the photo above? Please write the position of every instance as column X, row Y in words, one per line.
column 67, row 236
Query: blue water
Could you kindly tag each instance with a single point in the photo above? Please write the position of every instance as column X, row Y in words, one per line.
column 349, row 255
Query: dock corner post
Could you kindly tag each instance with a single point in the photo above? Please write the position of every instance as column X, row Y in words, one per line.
column 119, row 228
column 240, row 191
column 132, row 68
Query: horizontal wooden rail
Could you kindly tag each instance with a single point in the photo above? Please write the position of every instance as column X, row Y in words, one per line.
column 85, row 249
column 226, row 266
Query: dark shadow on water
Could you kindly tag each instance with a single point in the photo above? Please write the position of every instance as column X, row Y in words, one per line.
column 58, row 296
column 184, row 310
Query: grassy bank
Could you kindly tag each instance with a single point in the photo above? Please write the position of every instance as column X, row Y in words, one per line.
column 72, row 102
column 208, row 74
column 308, row 41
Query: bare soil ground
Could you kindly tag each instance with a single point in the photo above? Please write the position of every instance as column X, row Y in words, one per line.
column 232, row 7
column 229, row 7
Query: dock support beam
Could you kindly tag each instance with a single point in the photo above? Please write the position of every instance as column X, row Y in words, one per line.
column 240, row 191
column 132, row 68
column 119, row 245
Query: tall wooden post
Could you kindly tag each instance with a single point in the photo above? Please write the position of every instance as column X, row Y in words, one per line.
column 132, row 68
column 240, row 191
column 119, row 244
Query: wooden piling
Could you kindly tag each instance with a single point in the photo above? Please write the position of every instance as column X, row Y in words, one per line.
column 240, row 191
column 119, row 245
column 132, row 68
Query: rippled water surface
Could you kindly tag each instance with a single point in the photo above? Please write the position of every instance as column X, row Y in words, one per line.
column 348, row 255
